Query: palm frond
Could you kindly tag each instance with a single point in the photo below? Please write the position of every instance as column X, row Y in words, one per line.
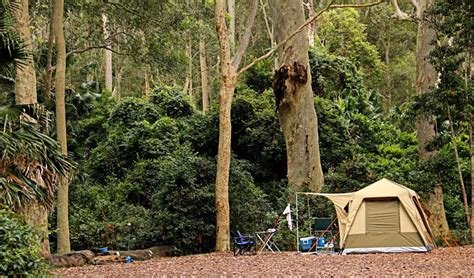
column 31, row 161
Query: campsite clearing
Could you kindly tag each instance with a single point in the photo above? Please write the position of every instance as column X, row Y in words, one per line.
column 441, row 262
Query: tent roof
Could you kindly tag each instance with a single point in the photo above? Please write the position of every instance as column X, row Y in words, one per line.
column 384, row 188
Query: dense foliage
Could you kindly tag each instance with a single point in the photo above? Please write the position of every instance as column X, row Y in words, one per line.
column 19, row 247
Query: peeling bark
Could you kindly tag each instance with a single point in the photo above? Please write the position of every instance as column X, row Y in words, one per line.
column 294, row 96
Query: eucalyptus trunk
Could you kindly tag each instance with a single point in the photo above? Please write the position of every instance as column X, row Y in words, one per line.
column 188, row 84
column 107, row 54
column 63, row 186
column 294, row 96
column 231, row 12
column 25, row 75
column 228, row 80
column 204, row 74
column 48, row 77
column 426, row 77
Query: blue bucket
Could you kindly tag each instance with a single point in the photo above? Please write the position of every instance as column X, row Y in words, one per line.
column 321, row 242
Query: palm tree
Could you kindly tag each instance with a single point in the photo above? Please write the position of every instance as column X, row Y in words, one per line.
column 12, row 49
column 31, row 161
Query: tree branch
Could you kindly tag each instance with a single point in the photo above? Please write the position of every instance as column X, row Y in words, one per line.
column 301, row 28
column 105, row 46
column 398, row 13
column 246, row 37
column 416, row 4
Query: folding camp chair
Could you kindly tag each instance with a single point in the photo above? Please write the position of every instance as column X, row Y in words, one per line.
column 243, row 244
column 323, row 229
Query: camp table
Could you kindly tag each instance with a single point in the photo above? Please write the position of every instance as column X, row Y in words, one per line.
column 265, row 237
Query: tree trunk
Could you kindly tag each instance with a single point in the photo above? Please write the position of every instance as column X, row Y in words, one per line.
column 188, row 84
column 231, row 12
column 25, row 93
column 425, row 78
column 107, row 54
column 36, row 215
column 437, row 213
column 425, row 129
column 388, row 86
column 204, row 75
column 228, row 79
column 294, row 97
column 472, row 180
column 63, row 187
column 48, row 77
column 312, row 26
column 25, row 75
column 146, row 83
column 458, row 164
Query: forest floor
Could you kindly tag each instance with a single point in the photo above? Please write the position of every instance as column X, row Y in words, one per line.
column 440, row 262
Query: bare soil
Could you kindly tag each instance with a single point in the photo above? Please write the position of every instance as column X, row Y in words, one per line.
column 441, row 262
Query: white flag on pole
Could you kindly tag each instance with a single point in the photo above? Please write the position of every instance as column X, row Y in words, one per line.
column 287, row 213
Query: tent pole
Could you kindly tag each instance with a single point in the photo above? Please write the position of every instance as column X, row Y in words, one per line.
column 297, row 226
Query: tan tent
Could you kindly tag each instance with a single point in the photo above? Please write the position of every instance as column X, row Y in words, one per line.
column 382, row 217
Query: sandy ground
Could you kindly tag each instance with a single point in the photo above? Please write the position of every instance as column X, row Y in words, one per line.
column 440, row 263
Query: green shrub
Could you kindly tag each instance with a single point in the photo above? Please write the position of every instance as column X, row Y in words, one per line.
column 19, row 247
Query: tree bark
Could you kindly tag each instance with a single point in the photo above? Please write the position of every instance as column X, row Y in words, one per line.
column 312, row 26
column 425, row 129
column 25, row 75
column 107, row 54
column 204, row 74
column 146, row 83
column 36, row 215
column 231, row 12
column 294, row 97
column 188, row 84
column 228, row 79
column 425, row 78
column 437, row 213
column 48, row 77
column 63, row 187
column 25, row 93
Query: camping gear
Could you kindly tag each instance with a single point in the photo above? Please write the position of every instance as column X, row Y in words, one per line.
column 306, row 243
column 243, row 244
column 382, row 217
column 265, row 239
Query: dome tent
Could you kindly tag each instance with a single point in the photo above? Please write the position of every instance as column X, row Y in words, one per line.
column 382, row 217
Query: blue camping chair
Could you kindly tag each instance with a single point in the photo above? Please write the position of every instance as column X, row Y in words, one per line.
column 243, row 244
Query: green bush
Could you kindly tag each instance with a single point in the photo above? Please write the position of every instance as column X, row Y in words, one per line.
column 19, row 247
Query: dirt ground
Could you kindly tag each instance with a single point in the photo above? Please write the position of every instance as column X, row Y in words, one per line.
column 441, row 263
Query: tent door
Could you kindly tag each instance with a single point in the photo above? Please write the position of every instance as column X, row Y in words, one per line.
column 382, row 216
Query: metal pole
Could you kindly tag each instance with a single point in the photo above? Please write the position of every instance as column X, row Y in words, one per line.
column 297, row 227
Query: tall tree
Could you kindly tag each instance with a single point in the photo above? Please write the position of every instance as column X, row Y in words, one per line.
column 35, row 213
column 294, row 96
column 426, row 78
column 107, row 53
column 228, row 80
column 25, row 75
column 204, row 74
column 63, row 188
column 231, row 13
